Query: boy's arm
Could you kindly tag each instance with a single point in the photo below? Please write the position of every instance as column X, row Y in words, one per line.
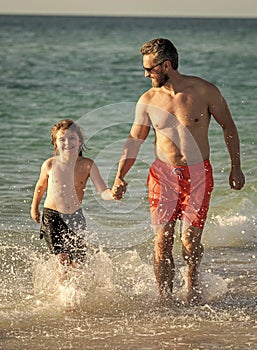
column 105, row 193
column 39, row 191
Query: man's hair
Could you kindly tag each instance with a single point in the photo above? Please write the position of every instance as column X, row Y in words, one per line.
column 66, row 124
column 162, row 49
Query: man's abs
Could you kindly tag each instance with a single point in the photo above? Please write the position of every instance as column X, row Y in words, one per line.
column 181, row 149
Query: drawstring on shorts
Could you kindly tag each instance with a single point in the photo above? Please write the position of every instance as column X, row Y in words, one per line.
column 178, row 172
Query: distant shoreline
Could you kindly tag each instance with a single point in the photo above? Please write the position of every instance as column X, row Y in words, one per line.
column 64, row 15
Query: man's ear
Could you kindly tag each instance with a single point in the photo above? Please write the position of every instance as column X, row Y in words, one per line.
column 167, row 65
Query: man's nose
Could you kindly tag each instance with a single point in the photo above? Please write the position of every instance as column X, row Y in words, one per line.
column 147, row 74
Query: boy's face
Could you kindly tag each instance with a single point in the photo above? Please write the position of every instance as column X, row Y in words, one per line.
column 67, row 142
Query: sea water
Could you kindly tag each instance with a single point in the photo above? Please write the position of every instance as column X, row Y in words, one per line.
column 90, row 69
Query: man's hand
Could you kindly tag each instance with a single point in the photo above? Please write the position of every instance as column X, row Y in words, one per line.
column 236, row 179
column 119, row 188
column 35, row 214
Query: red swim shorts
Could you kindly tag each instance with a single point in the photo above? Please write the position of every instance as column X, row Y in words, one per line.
column 182, row 192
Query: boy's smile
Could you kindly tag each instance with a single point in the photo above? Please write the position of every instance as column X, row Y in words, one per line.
column 67, row 141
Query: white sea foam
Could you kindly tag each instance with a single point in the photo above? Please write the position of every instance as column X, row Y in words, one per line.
column 211, row 286
column 232, row 228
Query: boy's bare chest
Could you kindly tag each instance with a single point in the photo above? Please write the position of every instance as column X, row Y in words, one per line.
column 68, row 176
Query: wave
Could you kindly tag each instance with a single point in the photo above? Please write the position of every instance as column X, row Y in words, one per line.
column 233, row 227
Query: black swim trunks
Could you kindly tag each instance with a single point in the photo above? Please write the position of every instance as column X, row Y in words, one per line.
column 64, row 233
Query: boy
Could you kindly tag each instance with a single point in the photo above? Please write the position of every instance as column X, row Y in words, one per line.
column 64, row 177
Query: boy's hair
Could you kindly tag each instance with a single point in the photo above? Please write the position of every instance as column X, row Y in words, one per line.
column 66, row 124
column 162, row 49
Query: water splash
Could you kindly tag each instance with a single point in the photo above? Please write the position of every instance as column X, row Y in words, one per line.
column 211, row 286
column 68, row 287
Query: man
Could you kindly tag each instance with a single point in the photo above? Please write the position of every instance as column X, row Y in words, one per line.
column 179, row 108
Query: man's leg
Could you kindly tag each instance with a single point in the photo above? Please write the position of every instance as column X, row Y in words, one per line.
column 164, row 267
column 192, row 252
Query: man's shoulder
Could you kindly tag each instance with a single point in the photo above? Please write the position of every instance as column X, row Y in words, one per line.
column 147, row 96
column 197, row 81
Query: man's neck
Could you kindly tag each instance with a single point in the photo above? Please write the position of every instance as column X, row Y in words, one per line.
column 174, row 83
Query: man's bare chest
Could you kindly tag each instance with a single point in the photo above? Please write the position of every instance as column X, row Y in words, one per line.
column 183, row 110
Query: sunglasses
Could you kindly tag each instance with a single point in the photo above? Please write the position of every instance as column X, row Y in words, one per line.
column 151, row 68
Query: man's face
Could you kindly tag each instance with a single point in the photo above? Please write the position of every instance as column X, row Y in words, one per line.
column 154, row 70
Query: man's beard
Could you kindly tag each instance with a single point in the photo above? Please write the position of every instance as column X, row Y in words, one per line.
column 160, row 81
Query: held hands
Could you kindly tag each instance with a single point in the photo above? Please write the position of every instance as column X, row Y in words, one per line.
column 236, row 179
column 119, row 188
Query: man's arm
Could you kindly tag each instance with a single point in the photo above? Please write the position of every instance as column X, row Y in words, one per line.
column 220, row 111
column 138, row 133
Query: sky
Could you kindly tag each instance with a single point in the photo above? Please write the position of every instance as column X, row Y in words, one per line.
column 167, row 8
